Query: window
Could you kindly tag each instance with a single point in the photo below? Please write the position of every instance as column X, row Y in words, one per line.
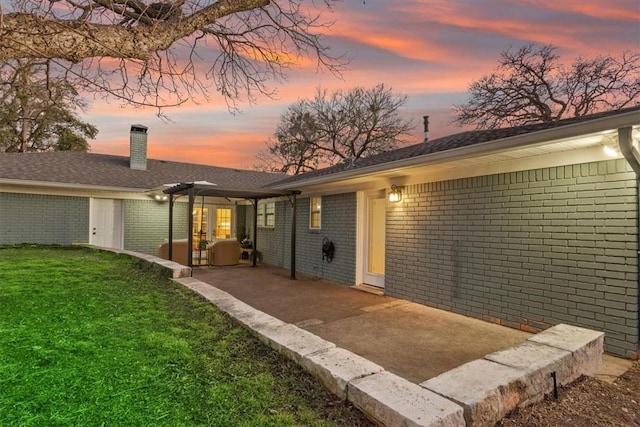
column 200, row 225
column 315, row 205
column 223, row 223
column 267, row 214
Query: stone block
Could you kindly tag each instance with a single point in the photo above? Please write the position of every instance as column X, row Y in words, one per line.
column 175, row 270
column 585, row 345
column 539, row 361
column 254, row 320
column 393, row 401
column 211, row 293
column 336, row 367
column 486, row 390
column 293, row 342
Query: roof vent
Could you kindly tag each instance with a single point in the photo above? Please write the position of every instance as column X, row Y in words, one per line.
column 425, row 120
column 138, row 147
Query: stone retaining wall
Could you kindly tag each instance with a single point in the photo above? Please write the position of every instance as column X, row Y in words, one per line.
column 478, row 393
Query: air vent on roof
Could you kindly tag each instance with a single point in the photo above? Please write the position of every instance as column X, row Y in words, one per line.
column 425, row 121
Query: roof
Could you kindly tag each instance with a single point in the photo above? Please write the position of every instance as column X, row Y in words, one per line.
column 108, row 171
column 89, row 169
column 447, row 143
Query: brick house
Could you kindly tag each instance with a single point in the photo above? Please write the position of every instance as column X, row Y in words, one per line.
column 528, row 226
column 114, row 201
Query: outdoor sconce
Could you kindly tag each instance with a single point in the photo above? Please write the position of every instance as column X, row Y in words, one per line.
column 161, row 198
column 395, row 195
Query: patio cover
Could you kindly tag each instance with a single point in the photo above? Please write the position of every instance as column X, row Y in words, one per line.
column 208, row 189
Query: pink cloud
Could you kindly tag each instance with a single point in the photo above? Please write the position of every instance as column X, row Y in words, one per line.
column 430, row 51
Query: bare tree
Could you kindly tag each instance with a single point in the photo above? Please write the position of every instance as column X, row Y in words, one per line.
column 164, row 53
column 530, row 85
column 335, row 127
column 39, row 114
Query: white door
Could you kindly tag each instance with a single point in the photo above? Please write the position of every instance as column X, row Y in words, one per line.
column 374, row 247
column 106, row 223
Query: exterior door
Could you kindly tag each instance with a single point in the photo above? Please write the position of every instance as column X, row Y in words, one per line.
column 106, row 223
column 375, row 233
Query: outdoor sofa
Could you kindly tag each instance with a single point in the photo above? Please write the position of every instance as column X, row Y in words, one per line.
column 218, row 253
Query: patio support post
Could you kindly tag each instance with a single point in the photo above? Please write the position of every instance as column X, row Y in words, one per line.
column 190, row 231
column 171, row 200
column 294, row 206
column 254, row 254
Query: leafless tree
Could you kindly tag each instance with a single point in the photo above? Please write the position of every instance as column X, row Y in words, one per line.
column 38, row 113
column 164, row 53
column 530, row 85
column 335, row 127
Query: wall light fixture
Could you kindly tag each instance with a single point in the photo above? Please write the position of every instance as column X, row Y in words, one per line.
column 395, row 195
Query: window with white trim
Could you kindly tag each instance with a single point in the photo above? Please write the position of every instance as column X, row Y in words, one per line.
column 315, row 217
column 267, row 214
column 223, row 223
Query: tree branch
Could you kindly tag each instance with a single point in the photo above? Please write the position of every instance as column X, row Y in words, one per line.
column 73, row 40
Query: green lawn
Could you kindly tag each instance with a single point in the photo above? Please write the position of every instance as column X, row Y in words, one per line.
column 87, row 338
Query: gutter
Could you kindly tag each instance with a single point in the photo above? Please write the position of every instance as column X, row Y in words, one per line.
column 513, row 142
column 625, row 143
column 69, row 185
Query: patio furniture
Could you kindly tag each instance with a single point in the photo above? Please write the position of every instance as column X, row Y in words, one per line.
column 179, row 252
column 246, row 254
column 224, row 252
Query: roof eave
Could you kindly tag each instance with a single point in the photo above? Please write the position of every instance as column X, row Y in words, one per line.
column 539, row 137
column 67, row 185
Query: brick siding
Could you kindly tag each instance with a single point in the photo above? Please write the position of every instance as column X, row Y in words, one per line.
column 146, row 224
column 45, row 219
column 338, row 225
column 526, row 249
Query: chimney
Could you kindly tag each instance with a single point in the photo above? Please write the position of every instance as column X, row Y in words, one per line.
column 426, row 128
column 138, row 147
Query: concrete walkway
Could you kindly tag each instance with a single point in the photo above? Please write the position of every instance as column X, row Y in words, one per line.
column 410, row 340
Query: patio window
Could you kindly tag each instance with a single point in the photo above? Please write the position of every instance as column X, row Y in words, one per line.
column 223, row 223
column 267, row 215
column 200, row 229
column 315, row 218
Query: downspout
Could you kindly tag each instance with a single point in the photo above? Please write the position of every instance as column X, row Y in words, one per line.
column 625, row 143
column 294, row 214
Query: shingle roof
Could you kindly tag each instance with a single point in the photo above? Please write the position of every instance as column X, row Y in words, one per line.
column 449, row 142
column 68, row 167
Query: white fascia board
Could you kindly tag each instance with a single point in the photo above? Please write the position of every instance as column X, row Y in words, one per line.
column 48, row 184
column 530, row 139
column 422, row 174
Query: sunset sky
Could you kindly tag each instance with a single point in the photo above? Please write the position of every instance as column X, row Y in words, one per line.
column 429, row 50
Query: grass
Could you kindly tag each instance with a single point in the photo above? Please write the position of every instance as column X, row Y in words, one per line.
column 88, row 338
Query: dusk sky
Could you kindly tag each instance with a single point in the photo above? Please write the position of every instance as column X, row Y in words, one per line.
column 428, row 50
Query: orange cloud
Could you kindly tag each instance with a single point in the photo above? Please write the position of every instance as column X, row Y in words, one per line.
column 430, row 51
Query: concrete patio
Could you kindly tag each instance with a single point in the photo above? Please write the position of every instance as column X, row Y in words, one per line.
column 398, row 362
column 410, row 340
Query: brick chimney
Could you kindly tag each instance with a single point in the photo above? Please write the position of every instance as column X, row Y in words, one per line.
column 425, row 121
column 138, row 147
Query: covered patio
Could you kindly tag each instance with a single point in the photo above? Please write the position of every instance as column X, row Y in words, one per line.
column 192, row 190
